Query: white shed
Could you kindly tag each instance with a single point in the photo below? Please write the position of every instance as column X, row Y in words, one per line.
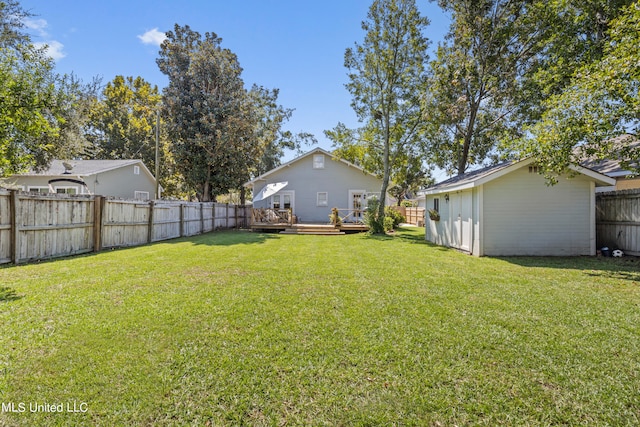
column 508, row 209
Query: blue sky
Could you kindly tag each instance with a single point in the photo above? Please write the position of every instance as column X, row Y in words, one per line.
column 295, row 46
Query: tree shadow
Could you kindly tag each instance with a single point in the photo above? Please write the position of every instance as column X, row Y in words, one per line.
column 627, row 268
column 227, row 238
column 8, row 294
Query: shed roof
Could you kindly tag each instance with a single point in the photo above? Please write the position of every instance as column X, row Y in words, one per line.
column 482, row 176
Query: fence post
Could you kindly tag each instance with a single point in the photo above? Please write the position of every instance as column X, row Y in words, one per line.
column 181, row 219
column 98, row 205
column 201, row 218
column 235, row 214
column 152, row 204
column 14, row 209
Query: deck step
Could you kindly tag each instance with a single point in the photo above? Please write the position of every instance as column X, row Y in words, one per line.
column 316, row 233
column 317, row 229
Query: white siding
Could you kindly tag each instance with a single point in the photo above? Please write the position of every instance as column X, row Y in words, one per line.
column 523, row 216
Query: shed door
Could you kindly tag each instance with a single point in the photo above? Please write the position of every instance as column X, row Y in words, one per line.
column 461, row 224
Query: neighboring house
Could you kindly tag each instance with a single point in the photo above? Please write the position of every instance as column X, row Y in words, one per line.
column 314, row 183
column 125, row 179
column 509, row 209
column 625, row 180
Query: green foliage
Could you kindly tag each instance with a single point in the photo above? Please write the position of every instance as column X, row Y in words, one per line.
column 334, row 217
column 476, row 78
column 222, row 134
column 434, row 214
column 408, row 203
column 372, row 216
column 396, row 216
column 600, row 103
column 388, row 224
column 386, row 78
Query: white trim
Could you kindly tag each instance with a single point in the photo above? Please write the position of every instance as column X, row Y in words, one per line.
column 137, row 194
column 38, row 187
column 483, row 179
column 326, row 199
column 318, row 161
column 66, row 187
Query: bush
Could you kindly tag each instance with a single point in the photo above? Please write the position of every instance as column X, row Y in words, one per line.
column 408, row 204
column 371, row 218
column 388, row 224
column 395, row 215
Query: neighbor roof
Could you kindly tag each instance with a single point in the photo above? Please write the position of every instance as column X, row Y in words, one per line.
column 482, row 176
column 83, row 167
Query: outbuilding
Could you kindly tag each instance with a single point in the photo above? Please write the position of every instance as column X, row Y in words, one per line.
column 510, row 210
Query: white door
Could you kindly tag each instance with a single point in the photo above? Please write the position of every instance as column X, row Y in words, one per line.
column 357, row 205
column 461, row 224
column 283, row 200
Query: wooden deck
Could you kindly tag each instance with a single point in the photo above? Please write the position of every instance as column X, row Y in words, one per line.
column 283, row 221
column 324, row 229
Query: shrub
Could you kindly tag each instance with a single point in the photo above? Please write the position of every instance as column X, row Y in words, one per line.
column 395, row 215
column 371, row 217
column 388, row 224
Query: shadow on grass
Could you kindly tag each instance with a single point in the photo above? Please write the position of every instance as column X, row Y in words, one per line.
column 227, row 238
column 411, row 235
column 613, row 268
column 8, row 294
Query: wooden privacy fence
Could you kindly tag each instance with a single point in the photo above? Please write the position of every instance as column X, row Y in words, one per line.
column 618, row 220
column 413, row 216
column 39, row 226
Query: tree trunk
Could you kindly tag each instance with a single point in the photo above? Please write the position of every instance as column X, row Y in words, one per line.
column 243, row 195
column 387, row 170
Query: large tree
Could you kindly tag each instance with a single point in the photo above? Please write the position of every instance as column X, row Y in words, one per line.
column 477, row 77
column 498, row 66
column 28, row 96
column 599, row 104
column 386, row 78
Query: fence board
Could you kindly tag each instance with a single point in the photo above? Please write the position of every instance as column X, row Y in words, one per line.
column 41, row 226
column 618, row 220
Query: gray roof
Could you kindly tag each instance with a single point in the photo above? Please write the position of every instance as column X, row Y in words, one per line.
column 470, row 177
column 81, row 167
column 481, row 176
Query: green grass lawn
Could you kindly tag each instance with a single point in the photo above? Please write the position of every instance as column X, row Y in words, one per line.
column 238, row 328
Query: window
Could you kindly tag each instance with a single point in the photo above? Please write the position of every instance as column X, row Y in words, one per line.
column 322, row 199
column 534, row 169
column 136, row 170
column 275, row 201
column 318, row 161
column 67, row 190
column 286, row 201
column 436, row 205
column 141, row 195
column 39, row 190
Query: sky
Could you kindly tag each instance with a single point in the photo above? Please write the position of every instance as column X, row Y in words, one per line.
column 292, row 45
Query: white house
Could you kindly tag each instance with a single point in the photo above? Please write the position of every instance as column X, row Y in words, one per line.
column 126, row 179
column 509, row 209
column 314, row 183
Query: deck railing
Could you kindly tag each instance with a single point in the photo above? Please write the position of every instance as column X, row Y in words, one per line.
column 271, row 216
column 351, row 215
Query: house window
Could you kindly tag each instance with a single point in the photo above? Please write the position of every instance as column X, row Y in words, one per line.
column 534, row 169
column 322, row 199
column 318, row 161
column 141, row 195
column 67, row 190
column 136, row 170
column 436, row 204
column 39, row 190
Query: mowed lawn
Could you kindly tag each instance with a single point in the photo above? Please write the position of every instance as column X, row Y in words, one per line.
column 239, row 328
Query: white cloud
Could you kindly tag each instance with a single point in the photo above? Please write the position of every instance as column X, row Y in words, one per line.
column 152, row 37
column 54, row 49
column 38, row 25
